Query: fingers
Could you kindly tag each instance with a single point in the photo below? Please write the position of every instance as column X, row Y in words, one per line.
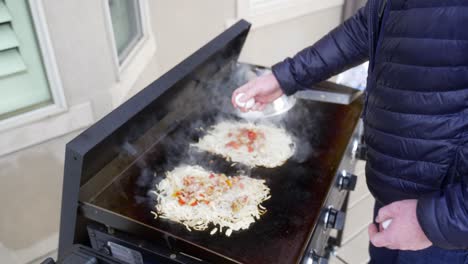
column 378, row 239
column 233, row 97
column 244, row 110
column 261, row 107
column 250, row 92
column 239, row 90
column 372, row 230
column 387, row 212
column 256, row 106
column 264, row 89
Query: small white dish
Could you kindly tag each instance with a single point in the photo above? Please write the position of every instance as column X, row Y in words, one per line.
column 247, row 105
column 386, row 223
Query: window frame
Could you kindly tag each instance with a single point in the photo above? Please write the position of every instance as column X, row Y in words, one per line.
column 59, row 104
column 280, row 10
column 120, row 67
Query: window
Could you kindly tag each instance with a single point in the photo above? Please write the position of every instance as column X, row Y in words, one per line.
column 127, row 29
column 265, row 12
column 24, row 85
column 131, row 39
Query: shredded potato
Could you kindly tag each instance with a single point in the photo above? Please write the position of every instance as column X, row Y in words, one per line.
column 253, row 145
column 197, row 198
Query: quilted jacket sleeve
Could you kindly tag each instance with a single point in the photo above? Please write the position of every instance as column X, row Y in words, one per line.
column 344, row 47
column 443, row 215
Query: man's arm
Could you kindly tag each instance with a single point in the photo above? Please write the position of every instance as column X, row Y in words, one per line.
column 345, row 46
column 443, row 216
column 342, row 48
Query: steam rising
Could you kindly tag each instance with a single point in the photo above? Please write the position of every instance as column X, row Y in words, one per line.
column 196, row 105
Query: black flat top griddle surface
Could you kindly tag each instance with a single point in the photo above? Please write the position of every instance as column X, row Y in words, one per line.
column 298, row 188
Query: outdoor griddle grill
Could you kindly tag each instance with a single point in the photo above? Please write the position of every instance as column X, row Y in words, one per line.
column 111, row 167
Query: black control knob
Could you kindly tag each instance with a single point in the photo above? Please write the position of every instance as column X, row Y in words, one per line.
column 361, row 152
column 347, row 181
column 334, row 219
column 313, row 258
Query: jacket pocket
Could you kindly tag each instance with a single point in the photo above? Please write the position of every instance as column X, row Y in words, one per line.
column 453, row 174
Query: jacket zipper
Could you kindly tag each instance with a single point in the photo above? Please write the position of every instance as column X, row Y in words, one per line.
column 380, row 27
column 377, row 28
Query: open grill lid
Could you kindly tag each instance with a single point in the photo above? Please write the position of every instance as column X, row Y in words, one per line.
column 90, row 152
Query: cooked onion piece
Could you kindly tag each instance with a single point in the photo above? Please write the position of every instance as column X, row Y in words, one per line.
column 195, row 198
column 251, row 144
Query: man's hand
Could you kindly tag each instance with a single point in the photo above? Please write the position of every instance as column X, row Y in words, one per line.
column 264, row 89
column 404, row 233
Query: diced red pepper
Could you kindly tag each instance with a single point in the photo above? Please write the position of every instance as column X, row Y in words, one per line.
column 250, row 148
column 181, row 201
column 233, row 145
column 194, row 203
column 251, row 135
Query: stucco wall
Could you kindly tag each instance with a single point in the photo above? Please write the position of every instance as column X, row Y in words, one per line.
column 31, row 178
column 82, row 50
column 183, row 26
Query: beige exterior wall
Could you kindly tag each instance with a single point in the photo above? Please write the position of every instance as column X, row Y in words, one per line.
column 31, row 178
column 183, row 26
column 82, row 50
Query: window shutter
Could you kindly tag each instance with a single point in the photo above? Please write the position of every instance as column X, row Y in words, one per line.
column 24, row 84
column 10, row 57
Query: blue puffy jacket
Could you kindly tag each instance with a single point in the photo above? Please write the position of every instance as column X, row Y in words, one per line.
column 416, row 113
